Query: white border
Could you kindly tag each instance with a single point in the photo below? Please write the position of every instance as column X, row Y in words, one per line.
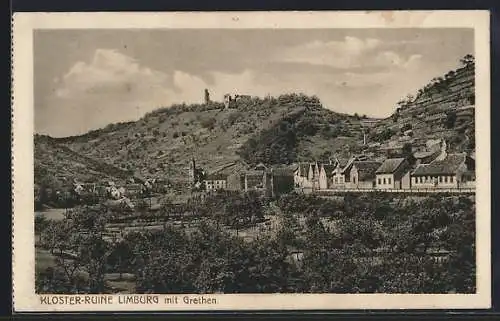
column 22, row 151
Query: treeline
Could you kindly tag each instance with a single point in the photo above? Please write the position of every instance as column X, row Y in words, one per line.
column 361, row 244
column 279, row 143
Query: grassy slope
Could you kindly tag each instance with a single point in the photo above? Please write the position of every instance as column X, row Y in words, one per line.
column 57, row 165
column 162, row 143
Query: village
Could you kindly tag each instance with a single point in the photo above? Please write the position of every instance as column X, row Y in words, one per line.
column 430, row 169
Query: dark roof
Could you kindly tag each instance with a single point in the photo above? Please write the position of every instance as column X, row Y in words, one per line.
column 282, row 171
column 254, row 172
column 390, row 165
column 235, row 168
column 366, row 169
column 447, row 166
column 329, row 169
column 343, row 162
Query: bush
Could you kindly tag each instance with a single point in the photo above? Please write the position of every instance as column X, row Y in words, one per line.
column 406, row 127
column 386, row 134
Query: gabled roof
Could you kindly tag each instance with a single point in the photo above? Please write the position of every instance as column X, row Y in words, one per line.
column 304, row 168
column 342, row 162
column 366, row 169
column 231, row 169
column 447, row 166
column 216, row 176
column 390, row 165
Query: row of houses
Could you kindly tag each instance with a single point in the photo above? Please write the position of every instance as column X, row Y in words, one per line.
column 430, row 167
column 423, row 170
column 111, row 190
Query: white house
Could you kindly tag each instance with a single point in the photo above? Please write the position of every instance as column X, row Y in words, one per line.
column 325, row 175
column 216, row 181
column 346, row 171
column 362, row 174
column 313, row 175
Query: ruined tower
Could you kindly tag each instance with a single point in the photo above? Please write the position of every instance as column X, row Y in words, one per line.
column 207, row 96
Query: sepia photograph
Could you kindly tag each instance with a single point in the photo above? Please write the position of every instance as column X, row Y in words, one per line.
column 213, row 161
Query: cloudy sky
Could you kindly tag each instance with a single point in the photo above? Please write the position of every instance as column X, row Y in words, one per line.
column 86, row 79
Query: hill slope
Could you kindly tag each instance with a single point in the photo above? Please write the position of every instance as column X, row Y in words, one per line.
column 444, row 108
column 56, row 165
column 162, row 143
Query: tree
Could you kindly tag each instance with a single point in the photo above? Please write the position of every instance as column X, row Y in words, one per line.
column 209, row 123
column 41, row 224
column 121, row 257
column 407, row 150
column 449, row 75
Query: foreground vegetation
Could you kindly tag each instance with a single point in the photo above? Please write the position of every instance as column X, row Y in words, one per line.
column 358, row 244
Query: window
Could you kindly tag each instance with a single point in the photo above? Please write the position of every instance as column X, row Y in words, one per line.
column 384, row 181
column 451, row 179
column 379, row 181
column 389, row 180
column 446, row 179
column 354, row 179
column 440, row 179
column 336, row 180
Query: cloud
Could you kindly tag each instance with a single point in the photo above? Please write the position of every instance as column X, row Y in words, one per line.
column 112, row 87
column 390, row 58
column 340, row 54
column 109, row 72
